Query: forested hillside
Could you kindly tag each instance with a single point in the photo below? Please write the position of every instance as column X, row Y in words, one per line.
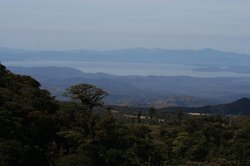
column 35, row 129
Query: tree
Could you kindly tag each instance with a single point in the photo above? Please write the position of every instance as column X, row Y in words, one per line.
column 139, row 116
column 179, row 115
column 151, row 113
column 90, row 97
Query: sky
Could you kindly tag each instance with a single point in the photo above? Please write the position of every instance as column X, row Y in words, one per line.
column 116, row 24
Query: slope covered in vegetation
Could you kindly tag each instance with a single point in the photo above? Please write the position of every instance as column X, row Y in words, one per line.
column 35, row 129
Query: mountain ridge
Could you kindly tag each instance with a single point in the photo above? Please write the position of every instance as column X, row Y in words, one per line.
column 160, row 91
column 124, row 55
column 238, row 107
column 137, row 61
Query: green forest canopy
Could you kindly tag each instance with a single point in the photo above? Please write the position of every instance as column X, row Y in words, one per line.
column 35, row 129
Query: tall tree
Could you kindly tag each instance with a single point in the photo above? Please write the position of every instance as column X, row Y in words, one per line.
column 90, row 97
column 151, row 113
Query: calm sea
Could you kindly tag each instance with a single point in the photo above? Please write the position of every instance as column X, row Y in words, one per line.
column 120, row 68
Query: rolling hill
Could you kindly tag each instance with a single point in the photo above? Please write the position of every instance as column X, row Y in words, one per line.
column 158, row 91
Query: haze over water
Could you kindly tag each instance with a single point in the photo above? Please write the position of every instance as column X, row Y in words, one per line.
column 119, row 68
column 116, row 24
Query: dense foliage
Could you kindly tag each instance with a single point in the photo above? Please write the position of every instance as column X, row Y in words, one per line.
column 35, row 129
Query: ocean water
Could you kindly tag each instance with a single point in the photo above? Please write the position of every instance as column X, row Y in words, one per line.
column 120, row 68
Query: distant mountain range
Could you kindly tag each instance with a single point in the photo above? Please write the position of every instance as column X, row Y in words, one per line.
column 207, row 56
column 157, row 91
column 136, row 61
column 61, row 69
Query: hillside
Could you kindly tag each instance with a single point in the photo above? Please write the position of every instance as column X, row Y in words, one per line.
column 239, row 107
column 26, row 120
column 35, row 129
column 157, row 91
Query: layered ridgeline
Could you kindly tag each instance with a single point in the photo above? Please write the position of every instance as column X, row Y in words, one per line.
column 206, row 62
column 156, row 91
column 162, row 77
column 37, row 130
column 141, row 55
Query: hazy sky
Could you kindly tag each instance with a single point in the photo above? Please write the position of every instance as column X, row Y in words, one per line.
column 113, row 24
